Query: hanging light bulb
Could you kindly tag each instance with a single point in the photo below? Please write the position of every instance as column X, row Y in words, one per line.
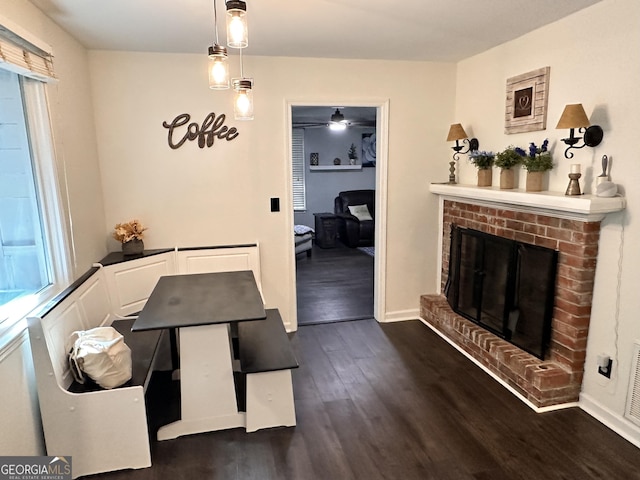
column 218, row 66
column 237, row 33
column 243, row 101
column 337, row 121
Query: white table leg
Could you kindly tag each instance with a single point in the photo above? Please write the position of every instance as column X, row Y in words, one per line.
column 207, row 390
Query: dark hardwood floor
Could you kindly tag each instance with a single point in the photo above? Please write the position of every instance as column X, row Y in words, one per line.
column 395, row 401
column 334, row 284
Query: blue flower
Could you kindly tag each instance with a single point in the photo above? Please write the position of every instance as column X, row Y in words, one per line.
column 520, row 152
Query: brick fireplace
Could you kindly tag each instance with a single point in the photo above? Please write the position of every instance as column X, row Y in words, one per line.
column 569, row 225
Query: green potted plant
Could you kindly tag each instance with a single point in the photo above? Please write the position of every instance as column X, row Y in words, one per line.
column 353, row 154
column 506, row 161
column 536, row 162
column 483, row 160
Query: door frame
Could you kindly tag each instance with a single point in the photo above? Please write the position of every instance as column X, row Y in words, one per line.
column 382, row 160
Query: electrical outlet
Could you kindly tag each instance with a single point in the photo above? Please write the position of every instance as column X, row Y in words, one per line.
column 606, row 370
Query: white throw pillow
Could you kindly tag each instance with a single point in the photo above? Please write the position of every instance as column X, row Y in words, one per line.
column 302, row 229
column 361, row 212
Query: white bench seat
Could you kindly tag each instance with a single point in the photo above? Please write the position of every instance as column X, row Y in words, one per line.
column 266, row 359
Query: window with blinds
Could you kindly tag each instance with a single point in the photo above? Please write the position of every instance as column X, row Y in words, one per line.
column 297, row 149
column 34, row 255
column 21, row 56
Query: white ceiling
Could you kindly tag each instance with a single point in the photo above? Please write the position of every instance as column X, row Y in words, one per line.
column 434, row 30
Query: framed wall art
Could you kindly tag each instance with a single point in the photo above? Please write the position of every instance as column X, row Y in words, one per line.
column 526, row 102
column 368, row 149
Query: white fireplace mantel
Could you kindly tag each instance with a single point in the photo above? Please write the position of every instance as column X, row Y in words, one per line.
column 586, row 208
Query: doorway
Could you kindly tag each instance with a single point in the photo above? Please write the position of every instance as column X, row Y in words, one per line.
column 338, row 282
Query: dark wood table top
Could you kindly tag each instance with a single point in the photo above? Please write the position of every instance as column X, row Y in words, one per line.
column 201, row 299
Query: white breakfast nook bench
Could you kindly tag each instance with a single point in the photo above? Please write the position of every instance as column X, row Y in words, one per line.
column 105, row 430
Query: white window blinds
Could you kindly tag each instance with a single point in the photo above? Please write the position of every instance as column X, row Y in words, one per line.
column 22, row 56
column 297, row 149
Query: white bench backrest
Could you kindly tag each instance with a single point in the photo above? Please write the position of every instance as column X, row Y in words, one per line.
column 213, row 260
column 123, row 288
column 131, row 282
column 86, row 307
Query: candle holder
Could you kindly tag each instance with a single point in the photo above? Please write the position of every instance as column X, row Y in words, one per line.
column 452, row 172
column 574, row 187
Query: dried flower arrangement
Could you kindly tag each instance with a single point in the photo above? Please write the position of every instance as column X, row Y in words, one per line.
column 132, row 230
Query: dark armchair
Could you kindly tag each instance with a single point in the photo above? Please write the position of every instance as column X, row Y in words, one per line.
column 352, row 231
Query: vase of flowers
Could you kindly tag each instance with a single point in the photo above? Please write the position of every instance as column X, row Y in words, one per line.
column 484, row 161
column 536, row 162
column 507, row 161
column 130, row 234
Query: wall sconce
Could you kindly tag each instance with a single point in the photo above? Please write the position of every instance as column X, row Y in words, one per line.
column 237, row 32
column 574, row 117
column 457, row 133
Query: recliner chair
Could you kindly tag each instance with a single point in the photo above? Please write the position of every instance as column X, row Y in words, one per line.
column 352, row 231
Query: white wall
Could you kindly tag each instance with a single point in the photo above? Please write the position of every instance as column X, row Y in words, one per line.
column 74, row 133
column 593, row 56
column 77, row 163
column 220, row 195
column 322, row 186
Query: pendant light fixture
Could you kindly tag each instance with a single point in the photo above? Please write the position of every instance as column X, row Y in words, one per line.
column 218, row 65
column 237, row 33
column 243, row 99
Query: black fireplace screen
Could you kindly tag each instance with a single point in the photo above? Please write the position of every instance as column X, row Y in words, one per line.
column 503, row 285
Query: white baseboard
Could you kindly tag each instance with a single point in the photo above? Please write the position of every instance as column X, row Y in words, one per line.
column 517, row 394
column 401, row 316
column 615, row 422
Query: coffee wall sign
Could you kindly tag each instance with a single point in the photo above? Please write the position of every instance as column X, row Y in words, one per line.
column 212, row 127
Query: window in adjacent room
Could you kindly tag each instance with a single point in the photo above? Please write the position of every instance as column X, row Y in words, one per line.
column 299, row 196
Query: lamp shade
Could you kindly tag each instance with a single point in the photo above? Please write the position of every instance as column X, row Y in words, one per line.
column 573, row 116
column 456, row 132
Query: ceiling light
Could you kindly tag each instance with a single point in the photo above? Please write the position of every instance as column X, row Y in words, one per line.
column 237, row 33
column 337, row 121
column 243, row 101
column 218, row 66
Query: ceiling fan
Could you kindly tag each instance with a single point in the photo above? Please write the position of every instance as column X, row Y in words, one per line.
column 336, row 121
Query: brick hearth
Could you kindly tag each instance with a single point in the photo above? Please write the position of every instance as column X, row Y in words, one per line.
column 556, row 379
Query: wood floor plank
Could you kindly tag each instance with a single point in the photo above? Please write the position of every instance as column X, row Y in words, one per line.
column 334, row 284
column 394, row 401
